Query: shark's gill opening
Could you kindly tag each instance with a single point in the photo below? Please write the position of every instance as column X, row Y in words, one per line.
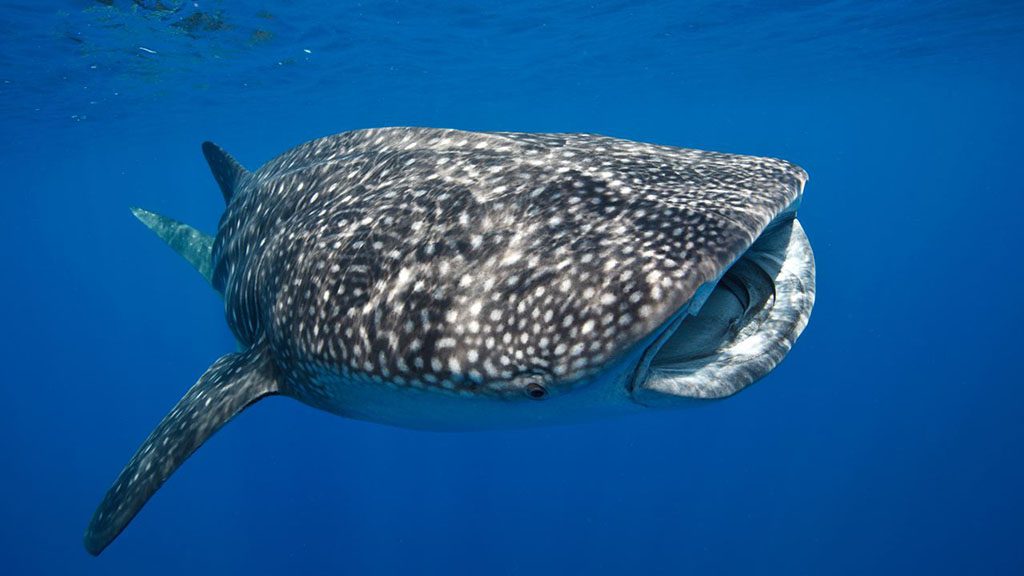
column 747, row 324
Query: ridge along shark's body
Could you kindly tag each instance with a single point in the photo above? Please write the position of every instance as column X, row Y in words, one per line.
column 441, row 279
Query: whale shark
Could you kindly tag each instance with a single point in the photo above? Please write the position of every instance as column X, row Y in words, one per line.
column 449, row 280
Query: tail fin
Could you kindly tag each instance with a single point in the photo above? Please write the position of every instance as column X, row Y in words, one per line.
column 234, row 382
column 191, row 244
column 226, row 170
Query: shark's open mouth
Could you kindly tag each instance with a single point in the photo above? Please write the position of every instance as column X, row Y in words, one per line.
column 743, row 329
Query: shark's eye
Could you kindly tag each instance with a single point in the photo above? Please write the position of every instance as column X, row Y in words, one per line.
column 536, row 391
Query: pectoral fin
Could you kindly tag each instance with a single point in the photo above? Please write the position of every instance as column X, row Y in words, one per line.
column 234, row 382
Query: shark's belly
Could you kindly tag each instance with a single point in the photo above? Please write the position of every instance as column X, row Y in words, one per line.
column 433, row 409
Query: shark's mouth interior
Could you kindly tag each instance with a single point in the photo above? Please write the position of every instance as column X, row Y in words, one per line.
column 745, row 326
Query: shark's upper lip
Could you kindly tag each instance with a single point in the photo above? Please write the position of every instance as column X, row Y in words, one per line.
column 747, row 325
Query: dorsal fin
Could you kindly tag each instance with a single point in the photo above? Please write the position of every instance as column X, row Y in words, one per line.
column 226, row 170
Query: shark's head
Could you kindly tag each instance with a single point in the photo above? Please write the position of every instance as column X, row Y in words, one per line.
column 732, row 331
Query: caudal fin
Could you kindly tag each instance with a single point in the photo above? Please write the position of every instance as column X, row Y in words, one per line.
column 234, row 382
column 191, row 244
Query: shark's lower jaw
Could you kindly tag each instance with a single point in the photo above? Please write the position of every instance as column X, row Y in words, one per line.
column 745, row 327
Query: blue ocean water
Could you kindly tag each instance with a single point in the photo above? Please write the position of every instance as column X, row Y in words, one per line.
column 888, row 442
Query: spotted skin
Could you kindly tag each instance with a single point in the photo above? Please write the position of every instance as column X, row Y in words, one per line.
column 480, row 262
column 446, row 279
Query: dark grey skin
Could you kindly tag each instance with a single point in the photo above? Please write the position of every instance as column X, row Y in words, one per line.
column 450, row 280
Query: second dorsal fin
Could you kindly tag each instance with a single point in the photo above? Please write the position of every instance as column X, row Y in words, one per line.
column 226, row 170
